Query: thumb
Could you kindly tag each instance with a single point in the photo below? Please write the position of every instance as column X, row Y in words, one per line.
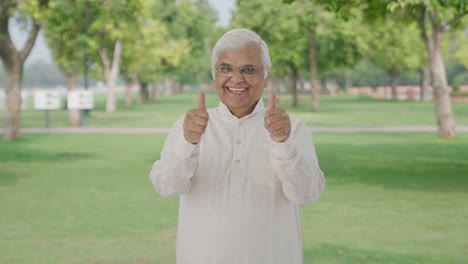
column 201, row 100
column 271, row 100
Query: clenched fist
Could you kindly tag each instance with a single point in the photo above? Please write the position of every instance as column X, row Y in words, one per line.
column 277, row 121
column 195, row 121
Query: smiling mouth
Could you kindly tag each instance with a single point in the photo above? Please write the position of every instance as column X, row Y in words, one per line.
column 237, row 90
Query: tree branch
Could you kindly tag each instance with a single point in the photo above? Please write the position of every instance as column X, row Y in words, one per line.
column 7, row 48
column 105, row 60
column 23, row 54
column 456, row 19
column 422, row 23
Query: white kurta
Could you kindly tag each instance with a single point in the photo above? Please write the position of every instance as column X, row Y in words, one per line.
column 239, row 190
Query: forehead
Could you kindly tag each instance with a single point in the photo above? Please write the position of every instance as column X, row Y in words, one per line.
column 249, row 54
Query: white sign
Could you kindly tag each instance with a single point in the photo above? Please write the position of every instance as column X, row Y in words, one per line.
column 80, row 99
column 24, row 100
column 47, row 100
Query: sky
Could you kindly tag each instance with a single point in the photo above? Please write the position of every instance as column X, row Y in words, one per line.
column 42, row 52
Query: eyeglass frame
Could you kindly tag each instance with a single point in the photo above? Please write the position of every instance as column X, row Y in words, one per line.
column 234, row 70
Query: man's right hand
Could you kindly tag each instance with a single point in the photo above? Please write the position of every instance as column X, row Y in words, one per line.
column 196, row 121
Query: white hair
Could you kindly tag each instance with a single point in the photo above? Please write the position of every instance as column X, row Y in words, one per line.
column 237, row 39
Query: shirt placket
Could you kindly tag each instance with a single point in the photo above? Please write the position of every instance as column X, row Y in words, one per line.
column 237, row 161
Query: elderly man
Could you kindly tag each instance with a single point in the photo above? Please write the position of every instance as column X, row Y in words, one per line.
column 240, row 169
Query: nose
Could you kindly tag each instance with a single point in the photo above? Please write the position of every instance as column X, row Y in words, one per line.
column 237, row 76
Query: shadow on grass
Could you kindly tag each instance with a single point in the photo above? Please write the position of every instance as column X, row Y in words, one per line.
column 41, row 156
column 331, row 253
column 13, row 156
column 8, row 177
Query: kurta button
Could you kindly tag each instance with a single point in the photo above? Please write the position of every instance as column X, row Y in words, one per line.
column 237, row 161
column 238, row 141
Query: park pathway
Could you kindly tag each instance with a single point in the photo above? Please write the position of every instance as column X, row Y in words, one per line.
column 163, row 130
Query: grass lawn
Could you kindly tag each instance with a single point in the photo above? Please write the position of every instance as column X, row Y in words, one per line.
column 390, row 198
column 335, row 111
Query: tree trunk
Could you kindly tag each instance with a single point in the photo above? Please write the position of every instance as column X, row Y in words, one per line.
column 168, row 86
column 443, row 105
column 393, row 79
column 128, row 90
column 293, row 82
column 111, row 72
column 12, row 108
column 13, row 62
column 315, row 89
column 425, row 82
column 128, row 95
column 73, row 114
column 143, row 93
column 348, row 79
column 177, row 87
column 156, row 91
column 293, row 89
column 323, row 84
column 274, row 84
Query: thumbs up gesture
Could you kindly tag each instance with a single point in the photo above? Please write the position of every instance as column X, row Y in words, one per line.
column 277, row 121
column 196, row 121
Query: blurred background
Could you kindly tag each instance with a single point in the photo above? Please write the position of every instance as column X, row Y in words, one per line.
column 395, row 50
column 90, row 88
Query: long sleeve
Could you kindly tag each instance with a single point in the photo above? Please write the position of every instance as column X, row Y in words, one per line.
column 171, row 174
column 238, row 189
column 295, row 163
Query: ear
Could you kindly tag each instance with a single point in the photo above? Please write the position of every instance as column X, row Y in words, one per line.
column 266, row 80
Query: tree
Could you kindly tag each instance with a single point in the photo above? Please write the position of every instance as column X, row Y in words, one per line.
column 193, row 23
column 461, row 50
column 434, row 19
column 65, row 30
column 140, row 63
column 109, row 22
column 304, row 27
column 396, row 48
column 31, row 13
column 276, row 24
column 164, row 46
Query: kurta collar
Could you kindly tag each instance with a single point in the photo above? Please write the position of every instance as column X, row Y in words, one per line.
column 224, row 111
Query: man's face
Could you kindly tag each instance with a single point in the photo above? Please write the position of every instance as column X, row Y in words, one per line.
column 239, row 79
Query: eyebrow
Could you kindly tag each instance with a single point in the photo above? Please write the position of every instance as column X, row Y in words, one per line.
column 246, row 65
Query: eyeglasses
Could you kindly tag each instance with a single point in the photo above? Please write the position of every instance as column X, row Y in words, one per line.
column 228, row 70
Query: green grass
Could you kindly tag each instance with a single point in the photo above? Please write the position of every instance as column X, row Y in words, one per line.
column 335, row 111
column 390, row 198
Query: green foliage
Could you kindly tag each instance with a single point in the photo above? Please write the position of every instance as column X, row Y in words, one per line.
column 108, row 22
column 170, row 40
column 289, row 29
column 445, row 15
column 65, row 32
column 192, row 23
column 396, row 46
column 34, row 9
column 460, row 41
column 76, row 27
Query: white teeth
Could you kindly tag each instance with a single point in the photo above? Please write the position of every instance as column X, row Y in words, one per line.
column 237, row 90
